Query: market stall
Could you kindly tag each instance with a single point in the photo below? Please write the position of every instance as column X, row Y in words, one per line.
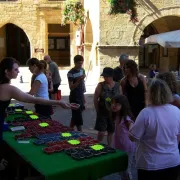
column 61, row 163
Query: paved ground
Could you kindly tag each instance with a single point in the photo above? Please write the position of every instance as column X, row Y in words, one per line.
column 64, row 116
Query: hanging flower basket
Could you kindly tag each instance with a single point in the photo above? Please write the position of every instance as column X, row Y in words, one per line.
column 73, row 12
column 124, row 6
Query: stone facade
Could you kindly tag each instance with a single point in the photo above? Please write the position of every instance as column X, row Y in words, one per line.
column 106, row 36
column 33, row 17
column 118, row 35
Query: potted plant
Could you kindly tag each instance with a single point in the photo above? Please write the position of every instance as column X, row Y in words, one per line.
column 124, row 6
column 73, row 12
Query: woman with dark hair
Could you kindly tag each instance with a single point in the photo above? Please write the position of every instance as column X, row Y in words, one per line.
column 33, row 75
column 39, row 86
column 102, row 99
column 49, row 77
column 44, row 64
column 134, row 87
column 123, row 118
column 9, row 69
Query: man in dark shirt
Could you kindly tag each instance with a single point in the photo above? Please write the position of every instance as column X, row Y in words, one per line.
column 76, row 84
column 118, row 71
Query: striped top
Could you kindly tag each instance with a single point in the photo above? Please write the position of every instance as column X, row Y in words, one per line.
column 77, row 94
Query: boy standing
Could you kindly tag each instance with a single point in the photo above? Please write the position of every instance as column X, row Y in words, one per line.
column 76, row 84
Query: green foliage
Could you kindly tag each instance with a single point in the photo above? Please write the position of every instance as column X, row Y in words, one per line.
column 73, row 12
column 124, row 6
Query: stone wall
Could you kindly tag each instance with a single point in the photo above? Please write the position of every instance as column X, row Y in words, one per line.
column 91, row 33
column 109, row 55
column 119, row 35
column 113, row 34
column 33, row 16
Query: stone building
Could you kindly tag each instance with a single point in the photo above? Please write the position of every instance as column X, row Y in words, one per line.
column 32, row 28
column 116, row 34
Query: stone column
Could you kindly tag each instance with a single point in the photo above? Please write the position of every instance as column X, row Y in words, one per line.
column 43, row 31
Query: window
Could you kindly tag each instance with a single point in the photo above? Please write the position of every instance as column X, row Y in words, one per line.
column 51, row 44
column 58, row 43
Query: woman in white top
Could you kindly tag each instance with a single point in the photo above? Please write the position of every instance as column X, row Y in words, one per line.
column 39, row 86
column 155, row 131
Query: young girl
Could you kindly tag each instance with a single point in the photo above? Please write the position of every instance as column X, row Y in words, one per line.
column 123, row 120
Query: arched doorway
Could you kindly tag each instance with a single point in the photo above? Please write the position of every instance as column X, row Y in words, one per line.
column 165, row 59
column 14, row 43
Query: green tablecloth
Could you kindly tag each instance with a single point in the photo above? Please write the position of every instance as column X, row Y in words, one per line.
column 11, row 117
column 61, row 166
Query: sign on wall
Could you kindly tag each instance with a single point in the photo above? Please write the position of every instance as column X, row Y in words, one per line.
column 41, row 50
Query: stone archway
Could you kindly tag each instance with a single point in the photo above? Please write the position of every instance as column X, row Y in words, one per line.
column 14, row 43
column 148, row 19
column 154, row 53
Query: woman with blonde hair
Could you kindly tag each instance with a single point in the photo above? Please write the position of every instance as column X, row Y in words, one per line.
column 155, row 131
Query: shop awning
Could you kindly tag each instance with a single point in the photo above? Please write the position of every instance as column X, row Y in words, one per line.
column 168, row 40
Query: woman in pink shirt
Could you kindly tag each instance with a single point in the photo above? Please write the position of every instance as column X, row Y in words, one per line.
column 155, row 131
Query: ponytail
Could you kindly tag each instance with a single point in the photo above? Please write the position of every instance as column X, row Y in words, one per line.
column 35, row 61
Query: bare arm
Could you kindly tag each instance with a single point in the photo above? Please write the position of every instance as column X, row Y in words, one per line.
column 27, row 98
column 122, row 82
column 35, row 86
column 97, row 95
column 145, row 87
column 51, row 87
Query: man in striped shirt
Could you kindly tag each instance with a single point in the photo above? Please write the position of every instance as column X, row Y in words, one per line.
column 76, row 84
